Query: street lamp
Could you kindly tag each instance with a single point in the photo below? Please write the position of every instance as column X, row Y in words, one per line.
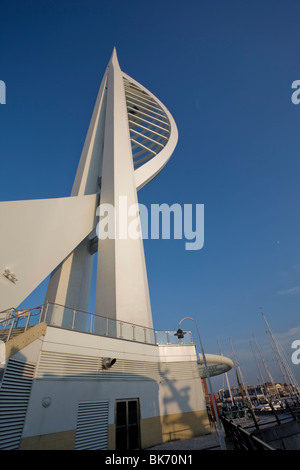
column 220, row 431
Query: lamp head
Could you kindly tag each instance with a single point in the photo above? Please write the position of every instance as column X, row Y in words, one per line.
column 180, row 334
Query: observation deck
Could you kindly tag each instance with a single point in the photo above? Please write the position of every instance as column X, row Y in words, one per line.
column 14, row 322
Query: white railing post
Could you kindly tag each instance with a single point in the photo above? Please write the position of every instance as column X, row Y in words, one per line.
column 73, row 319
column 27, row 321
column 46, row 312
column 10, row 329
column 168, row 338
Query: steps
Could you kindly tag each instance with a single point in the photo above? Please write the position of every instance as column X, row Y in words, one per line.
column 22, row 338
column 15, row 332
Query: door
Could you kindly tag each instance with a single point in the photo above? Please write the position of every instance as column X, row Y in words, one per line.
column 127, row 424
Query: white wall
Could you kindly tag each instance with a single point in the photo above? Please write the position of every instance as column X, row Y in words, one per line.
column 69, row 371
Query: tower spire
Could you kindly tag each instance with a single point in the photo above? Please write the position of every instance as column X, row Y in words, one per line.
column 130, row 138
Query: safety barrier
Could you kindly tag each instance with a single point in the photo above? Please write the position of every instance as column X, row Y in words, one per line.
column 17, row 321
column 242, row 439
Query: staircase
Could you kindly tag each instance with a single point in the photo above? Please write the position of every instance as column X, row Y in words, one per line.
column 20, row 328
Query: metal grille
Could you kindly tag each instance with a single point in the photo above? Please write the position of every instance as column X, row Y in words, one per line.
column 55, row 366
column 14, row 397
column 92, row 426
column 148, row 124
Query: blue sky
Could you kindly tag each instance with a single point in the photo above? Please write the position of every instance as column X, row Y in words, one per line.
column 224, row 70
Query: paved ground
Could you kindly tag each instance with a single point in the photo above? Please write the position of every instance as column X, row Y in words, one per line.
column 211, row 441
column 206, row 442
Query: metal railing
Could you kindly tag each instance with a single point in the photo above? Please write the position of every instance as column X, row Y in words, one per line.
column 242, row 439
column 240, row 416
column 248, row 416
column 18, row 321
column 78, row 320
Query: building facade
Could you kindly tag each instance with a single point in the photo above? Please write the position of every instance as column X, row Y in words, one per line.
column 104, row 380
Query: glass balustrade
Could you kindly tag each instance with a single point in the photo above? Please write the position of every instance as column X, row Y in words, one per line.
column 87, row 322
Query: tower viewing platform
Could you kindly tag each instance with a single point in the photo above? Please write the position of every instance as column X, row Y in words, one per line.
column 18, row 321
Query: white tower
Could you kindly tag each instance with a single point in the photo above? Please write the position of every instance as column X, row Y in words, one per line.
column 130, row 139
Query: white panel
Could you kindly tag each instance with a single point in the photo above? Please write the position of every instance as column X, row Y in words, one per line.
column 57, row 366
column 35, row 237
column 122, row 284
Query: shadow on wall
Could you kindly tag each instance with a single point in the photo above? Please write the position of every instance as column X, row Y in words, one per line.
column 51, row 405
column 180, row 419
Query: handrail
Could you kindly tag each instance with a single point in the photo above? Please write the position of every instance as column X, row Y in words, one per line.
column 13, row 322
column 261, row 444
column 242, row 439
column 66, row 307
column 69, row 318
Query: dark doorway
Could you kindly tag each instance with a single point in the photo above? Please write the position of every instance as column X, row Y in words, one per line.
column 127, row 424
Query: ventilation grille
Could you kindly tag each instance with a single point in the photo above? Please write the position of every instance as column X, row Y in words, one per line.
column 148, row 124
column 92, row 426
column 14, row 397
column 55, row 365
column 78, row 367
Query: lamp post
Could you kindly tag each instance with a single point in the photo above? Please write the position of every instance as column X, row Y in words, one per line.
column 220, row 431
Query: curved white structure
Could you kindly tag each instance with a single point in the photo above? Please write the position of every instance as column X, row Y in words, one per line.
column 130, row 138
column 216, row 365
column 153, row 131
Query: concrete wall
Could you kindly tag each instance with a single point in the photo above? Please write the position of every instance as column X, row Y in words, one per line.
column 285, row 436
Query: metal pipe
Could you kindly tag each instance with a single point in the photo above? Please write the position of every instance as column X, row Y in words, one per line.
column 10, row 330
column 73, row 319
column 27, row 321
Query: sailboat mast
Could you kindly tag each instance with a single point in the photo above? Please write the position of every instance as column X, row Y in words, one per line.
column 227, row 380
column 241, row 375
column 259, row 370
column 279, row 356
column 266, row 367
